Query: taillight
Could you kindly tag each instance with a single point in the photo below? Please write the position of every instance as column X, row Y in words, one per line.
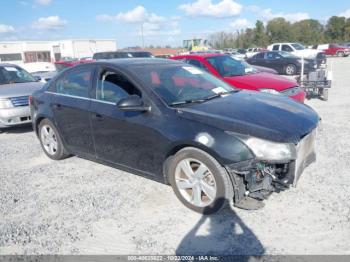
column 30, row 100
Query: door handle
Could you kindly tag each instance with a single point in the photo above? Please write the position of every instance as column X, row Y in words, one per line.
column 98, row 117
column 57, row 106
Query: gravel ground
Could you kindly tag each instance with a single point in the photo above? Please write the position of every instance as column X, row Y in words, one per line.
column 76, row 206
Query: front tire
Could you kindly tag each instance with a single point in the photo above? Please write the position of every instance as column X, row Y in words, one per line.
column 199, row 181
column 290, row 69
column 51, row 141
column 340, row 54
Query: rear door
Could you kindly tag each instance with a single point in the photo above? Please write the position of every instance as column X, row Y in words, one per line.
column 70, row 106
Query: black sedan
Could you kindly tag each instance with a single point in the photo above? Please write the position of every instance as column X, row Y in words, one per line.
column 179, row 125
column 283, row 62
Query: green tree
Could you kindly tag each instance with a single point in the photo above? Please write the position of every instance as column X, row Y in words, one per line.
column 335, row 29
column 279, row 30
column 308, row 31
column 260, row 37
column 347, row 30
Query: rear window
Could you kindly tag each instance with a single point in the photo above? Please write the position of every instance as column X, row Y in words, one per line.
column 60, row 67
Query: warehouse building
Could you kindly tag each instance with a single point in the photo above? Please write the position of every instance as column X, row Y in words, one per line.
column 20, row 52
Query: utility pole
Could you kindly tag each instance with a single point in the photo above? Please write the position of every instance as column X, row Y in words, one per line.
column 143, row 43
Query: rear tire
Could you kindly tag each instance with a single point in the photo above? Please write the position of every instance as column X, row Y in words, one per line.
column 51, row 141
column 290, row 70
column 325, row 94
column 199, row 181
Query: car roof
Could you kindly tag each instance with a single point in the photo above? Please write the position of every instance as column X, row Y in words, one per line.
column 130, row 62
column 202, row 55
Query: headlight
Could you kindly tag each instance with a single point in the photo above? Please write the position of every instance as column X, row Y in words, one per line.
column 268, row 150
column 5, row 103
column 291, row 91
column 271, row 151
column 270, row 91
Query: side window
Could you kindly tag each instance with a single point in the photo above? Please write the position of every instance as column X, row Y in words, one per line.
column 112, row 86
column 75, row 83
column 270, row 56
column 286, row 48
column 259, row 56
column 276, row 47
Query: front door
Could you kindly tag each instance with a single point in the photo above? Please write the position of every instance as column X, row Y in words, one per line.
column 122, row 137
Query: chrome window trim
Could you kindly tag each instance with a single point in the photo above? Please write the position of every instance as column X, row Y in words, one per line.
column 83, row 98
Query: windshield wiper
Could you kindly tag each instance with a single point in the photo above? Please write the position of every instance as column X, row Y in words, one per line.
column 191, row 101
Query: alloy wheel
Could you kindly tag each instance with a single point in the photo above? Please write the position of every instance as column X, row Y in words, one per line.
column 49, row 139
column 290, row 70
column 195, row 182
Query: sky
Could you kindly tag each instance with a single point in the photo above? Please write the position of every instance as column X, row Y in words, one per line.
column 160, row 22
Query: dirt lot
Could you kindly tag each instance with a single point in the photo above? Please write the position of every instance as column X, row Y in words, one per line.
column 80, row 207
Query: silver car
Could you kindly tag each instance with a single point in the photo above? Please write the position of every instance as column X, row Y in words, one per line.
column 16, row 85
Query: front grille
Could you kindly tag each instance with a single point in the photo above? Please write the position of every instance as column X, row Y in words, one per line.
column 20, row 101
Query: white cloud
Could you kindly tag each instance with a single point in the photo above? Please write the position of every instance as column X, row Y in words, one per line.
column 50, row 23
column 346, row 13
column 43, row 2
column 4, row 29
column 150, row 24
column 267, row 14
column 225, row 8
column 164, row 28
column 240, row 23
column 137, row 15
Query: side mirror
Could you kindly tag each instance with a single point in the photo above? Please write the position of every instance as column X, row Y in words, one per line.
column 133, row 103
column 37, row 78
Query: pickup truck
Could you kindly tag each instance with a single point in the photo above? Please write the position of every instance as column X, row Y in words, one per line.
column 334, row 49
column 296, row 49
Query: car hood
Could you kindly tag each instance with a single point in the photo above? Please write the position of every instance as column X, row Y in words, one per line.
column 307, row 53
column 261, row 115
column 19, row 89
column 262, row 80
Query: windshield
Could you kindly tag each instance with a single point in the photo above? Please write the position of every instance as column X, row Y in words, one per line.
column 287, row 55
column 228, row 66
column 298, row 46
column 14, row 74
column 111, row 55
column 181, row 84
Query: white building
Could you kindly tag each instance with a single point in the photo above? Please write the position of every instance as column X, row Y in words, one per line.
column 20, row 52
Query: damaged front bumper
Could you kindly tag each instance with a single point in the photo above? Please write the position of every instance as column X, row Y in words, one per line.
column 258, row 179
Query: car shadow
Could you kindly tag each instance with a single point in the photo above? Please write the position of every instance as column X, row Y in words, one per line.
column 17, row 129
column 224, row 234
column 309, row 97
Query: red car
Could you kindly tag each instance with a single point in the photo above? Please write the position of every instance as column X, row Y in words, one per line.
column 61, row 65
column 241, row 75
column 334, row 49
